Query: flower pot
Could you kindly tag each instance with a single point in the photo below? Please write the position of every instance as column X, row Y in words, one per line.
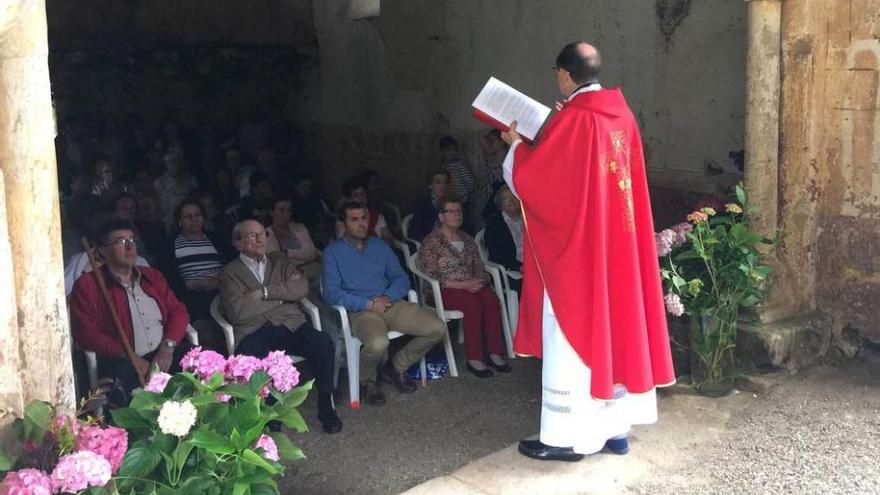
column 713, row 340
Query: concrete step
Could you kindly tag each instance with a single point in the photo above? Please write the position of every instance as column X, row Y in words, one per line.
column 786, row 344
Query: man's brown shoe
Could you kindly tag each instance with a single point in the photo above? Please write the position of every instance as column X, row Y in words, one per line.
column 371, row 394
column 398, row 378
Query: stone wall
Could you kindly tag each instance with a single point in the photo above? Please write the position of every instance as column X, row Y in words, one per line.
column 387, row 87
column 829, row 171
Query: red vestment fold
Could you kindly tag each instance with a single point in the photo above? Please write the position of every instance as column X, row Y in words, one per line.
column 590, row 244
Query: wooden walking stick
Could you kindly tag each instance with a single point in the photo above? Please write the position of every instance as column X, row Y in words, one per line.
column 99, row 277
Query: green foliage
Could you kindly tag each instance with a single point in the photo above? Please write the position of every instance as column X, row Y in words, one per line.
column 218, row 454
column 714, row 274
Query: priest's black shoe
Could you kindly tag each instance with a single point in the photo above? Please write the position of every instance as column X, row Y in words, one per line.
column 537, row 450
column 501, row 368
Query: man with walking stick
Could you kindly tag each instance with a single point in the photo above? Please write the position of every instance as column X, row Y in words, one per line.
column 148, row 317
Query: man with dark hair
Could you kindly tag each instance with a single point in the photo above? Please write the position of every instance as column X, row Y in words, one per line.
column 425, row 212
column 362, row 274
column 259, row 294
column 354, row 189
column 153, row 319
column 592, row 303
column 459, row 170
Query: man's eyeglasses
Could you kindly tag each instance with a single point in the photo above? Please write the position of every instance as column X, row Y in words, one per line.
column 253, row 236
column 452, row 211
column 123, row 242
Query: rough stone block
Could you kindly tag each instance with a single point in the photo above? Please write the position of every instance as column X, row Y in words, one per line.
column 788, row 344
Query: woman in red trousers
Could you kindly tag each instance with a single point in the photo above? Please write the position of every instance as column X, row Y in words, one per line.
column 452, row 257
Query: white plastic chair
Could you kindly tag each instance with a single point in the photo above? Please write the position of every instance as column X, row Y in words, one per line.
column 92, row 358
column 353, row 353
column 510, row 296
column 404, row 227
column 427, row 283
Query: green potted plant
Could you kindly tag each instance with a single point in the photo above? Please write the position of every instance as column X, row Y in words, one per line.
column 710, row 266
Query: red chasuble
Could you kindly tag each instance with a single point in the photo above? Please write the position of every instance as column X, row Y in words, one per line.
column 590, row 243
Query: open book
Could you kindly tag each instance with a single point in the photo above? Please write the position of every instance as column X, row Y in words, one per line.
column 498, row 105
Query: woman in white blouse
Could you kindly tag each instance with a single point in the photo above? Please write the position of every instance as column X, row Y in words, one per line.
column 292, row 238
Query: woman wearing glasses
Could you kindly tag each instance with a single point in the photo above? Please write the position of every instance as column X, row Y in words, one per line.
column 451, row 256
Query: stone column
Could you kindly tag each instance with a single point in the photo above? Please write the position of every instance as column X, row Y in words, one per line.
column 763, row 86
column 27, row 158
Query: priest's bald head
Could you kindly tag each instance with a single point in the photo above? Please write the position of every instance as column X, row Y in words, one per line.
column 577, row 64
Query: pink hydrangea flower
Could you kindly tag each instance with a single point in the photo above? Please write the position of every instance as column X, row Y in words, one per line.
column 665, row 241
column 64, row 421
column 81, row 470
column 224, row 397
column 279, row 367
column 681, row 230
column 110, row 442
column 203, row 363
column 270, row 450
column 157, row 382
column 673, row 304
column 239, row 368
column 26, row 482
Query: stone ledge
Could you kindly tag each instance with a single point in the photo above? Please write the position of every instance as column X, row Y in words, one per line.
column 787, row 344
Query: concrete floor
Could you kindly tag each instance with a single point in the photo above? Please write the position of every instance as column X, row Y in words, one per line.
column 815, row 432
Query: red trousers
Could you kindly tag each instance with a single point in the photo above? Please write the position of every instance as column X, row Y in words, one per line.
column 481, row 310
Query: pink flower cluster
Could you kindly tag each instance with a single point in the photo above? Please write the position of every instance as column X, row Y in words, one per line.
column 63, row 421
column 78, row 471
column 110, row 443
column 673, row 304
column 26, row 482
column 157, row 382
column 270, row 450
column 280, row 368
column 665, row 240
column 203, row 363
column 239, row 368
column 681, row 230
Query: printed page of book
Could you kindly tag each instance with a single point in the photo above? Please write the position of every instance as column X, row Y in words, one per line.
column 505, row 104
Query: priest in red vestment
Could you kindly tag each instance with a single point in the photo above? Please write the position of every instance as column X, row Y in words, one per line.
column 592, row 302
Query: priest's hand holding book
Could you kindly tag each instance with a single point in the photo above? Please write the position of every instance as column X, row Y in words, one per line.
column 510, row 136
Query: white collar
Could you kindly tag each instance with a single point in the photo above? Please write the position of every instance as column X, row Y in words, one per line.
column 585, row 89
column 252, row 262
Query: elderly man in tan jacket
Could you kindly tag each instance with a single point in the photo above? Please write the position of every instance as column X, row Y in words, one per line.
column 259, row 296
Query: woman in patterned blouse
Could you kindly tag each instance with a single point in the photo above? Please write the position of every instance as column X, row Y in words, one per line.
column 451, row 256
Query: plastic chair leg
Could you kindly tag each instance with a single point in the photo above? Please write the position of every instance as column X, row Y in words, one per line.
column 450, row 357
column 353, row 358
column 337, row 362
column 423, row 368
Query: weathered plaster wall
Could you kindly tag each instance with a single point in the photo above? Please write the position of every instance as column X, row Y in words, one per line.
column 386, row 88
column 151, row 23
column 829, row 174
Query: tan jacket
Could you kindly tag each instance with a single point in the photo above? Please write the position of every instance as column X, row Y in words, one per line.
column 285, row 285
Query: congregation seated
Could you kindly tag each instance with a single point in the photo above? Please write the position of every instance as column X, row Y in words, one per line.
column 198, row 259
column 354, row 190
column 153, row 319
column 425, row 213
column 259, row 204
column 309, row 207
column 259, row 294
column 106, row 183
column 292, row 238
column 451, row 256
column 362, row 274
column 504, row 233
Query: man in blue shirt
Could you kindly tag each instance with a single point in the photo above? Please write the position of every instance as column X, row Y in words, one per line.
column 363, row 275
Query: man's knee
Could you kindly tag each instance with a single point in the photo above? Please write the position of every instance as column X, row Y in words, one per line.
column 437, row 329
column 374, row 345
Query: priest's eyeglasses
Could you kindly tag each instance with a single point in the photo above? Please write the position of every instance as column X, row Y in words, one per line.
column 123, row 242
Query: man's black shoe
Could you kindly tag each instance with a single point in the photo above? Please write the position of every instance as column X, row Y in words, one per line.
column 398, row 378
column 371, row 394
column 330, row 422
column 537, row 450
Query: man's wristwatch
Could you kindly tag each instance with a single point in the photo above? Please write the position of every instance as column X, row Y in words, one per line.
column 169, row 343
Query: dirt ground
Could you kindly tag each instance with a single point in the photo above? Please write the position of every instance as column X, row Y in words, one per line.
column 817, row 431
